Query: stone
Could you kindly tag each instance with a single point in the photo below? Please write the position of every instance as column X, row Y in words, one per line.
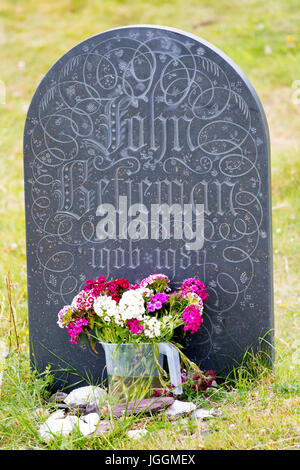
column 151, row 116
column 103, row 409
column 103, row 427
column 93, row 408
column 87, row 427
column 57, row 424
column 83, row 427
column 58, row 397
column 147, row 405
column 137, row 434
column 64, row 406
column 202, row 413
column 59, row 414
column 84, row 396
column 92, row 419
column 179, row 408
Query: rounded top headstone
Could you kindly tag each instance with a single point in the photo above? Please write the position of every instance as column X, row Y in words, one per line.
column 127, row 122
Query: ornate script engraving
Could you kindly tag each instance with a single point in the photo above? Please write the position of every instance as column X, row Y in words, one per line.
column 159, row 118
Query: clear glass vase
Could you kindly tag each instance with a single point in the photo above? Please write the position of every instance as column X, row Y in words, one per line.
column 131, row 370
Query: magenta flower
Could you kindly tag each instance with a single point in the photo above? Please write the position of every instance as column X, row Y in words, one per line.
column 196, row 286
column 135, row 326
column 75, row 328
column 164, row 393
column 150, row 279
column 156, row 302
column 205, row 384
column 133, row 287
column 64, row 311
column 192, row 318
column 89, row 301
column 184, row 377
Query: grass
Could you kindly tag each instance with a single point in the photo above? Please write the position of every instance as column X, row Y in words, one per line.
column 252, row 414
column 263, row 38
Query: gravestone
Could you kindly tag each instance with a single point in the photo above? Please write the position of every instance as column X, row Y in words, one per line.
column 144, row 116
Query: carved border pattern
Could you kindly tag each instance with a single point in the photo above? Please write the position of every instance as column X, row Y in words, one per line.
column 110, row 112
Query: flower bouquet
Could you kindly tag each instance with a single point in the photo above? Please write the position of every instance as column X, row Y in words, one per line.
column 119, row 315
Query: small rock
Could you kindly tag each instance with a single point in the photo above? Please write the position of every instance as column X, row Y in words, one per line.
column 137, row 433
column 59, row 414
column 179, row 408
column 147, row 405
column 91, row 409
column 202, row 413
column 96, row 409
column 60, row 406
column 84, row 396
column 86, row 428
column 103, row 426
column 58, row 397
column 57, row 423
column 91, row 419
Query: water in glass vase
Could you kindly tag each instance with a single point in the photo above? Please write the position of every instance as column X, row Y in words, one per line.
column 131, row 370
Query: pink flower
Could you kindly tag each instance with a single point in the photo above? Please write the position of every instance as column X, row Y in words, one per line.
column 64, row 311
column 164, row 393
column 133, row 287
column 184, row 377
column 89, row 302
column 205, row 384
column 196, row 286
column 150, row 279
column 192, row 318
column 79, row 300
column 112, row 287
column 156, row 302
column 75, row 328
column 135, row 326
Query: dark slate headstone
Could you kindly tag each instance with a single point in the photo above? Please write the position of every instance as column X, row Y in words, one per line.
column 157, row 116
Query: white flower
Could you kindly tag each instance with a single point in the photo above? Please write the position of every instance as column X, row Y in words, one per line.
column 152, row 327
column 146, row 291
column 64, row 311
column 152, row 278
column 107, row 319
column 105, row 306
column 132, row 304
column 79, row 300
column 118, row 320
